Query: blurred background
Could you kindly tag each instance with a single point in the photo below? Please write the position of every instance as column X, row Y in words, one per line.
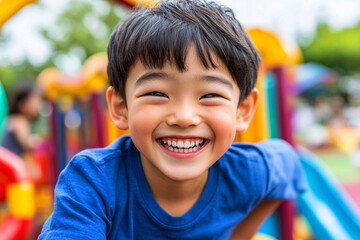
column 60, row 46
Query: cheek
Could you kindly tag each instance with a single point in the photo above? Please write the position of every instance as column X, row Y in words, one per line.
column 142, row 123
column 143, row 120
column 223, row 122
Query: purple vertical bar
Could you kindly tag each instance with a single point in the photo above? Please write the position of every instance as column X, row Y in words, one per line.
column 98, row 116
column 283, row 103
column 286, row 209
column 54, row 145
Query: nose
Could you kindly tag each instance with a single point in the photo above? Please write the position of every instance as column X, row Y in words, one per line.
column 183, row 114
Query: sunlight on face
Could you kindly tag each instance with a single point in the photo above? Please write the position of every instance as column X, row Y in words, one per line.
column 181, row 122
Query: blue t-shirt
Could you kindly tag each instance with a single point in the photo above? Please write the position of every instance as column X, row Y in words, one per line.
column 103, row 194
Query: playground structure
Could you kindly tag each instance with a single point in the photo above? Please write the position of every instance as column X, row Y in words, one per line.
column 9, row 8
column 326, row 206
column 18, row 190
column 3, row 110
column 272, row 84
column 17, row 185
column 71, row 95
column 74, row 99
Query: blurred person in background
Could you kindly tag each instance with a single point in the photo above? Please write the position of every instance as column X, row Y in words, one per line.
column 24, row 102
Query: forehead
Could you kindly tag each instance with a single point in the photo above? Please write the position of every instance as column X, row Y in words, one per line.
column 192, row 61
column 194, row 72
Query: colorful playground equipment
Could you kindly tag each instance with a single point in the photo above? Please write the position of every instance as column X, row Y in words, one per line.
column 16, row 189
column 74, row 99
column 3, row 110
column 132, row 3
column 78, row 117
column 14, row 176
column 9, row 8
column 327, row 208
column 274, row 61
column 312, row 76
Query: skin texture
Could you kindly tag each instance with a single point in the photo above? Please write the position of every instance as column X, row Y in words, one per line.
column 166, row 103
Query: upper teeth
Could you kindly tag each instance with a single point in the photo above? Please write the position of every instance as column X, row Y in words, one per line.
column 188, row 143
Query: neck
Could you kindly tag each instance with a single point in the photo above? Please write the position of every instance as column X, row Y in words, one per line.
column 175, row 197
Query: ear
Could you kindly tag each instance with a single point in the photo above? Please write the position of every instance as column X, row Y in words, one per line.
column 117, row 109
column 246, row 110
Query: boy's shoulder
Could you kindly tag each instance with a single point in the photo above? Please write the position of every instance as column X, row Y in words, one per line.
column 265, row 150
column 266, row 165
column 117, row 151
column 259, row 159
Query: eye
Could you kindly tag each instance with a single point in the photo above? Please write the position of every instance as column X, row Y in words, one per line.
column 211, row 95
column 156, row 94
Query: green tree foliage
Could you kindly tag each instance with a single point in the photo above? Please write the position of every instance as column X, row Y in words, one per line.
column 81, row 30
column 339, row 50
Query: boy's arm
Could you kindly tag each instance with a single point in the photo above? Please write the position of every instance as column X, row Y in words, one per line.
column 248, row 227
column 80, row 203
column 285, row 180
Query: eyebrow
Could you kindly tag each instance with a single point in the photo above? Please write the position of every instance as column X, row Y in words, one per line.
column 150, row 76
column 218, row 79
column 161, row 75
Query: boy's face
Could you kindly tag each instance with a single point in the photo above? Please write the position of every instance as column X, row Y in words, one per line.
column 181, row 122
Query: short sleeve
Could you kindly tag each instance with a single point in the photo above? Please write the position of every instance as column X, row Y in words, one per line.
column 79, row 206
column 286, row 179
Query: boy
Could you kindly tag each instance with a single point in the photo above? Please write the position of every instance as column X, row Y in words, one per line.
column 182, row 79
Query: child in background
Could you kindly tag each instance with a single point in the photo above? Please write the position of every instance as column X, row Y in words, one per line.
column 182, row 78
column 24, row 104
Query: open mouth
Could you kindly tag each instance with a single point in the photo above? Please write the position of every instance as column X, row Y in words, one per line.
column 187, row 145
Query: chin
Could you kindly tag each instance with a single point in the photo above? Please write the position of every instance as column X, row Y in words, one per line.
column 185, row 175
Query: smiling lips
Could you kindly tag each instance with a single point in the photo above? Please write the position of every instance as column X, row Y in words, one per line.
column 187, row 145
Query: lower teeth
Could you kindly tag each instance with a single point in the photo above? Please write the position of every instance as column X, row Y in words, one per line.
column 185, row 150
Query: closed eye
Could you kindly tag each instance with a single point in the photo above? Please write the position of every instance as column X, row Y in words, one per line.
column 155, row 94
column 211, row 95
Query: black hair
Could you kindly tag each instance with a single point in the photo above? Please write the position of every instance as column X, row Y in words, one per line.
column 164, row 33
column 20, row 93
